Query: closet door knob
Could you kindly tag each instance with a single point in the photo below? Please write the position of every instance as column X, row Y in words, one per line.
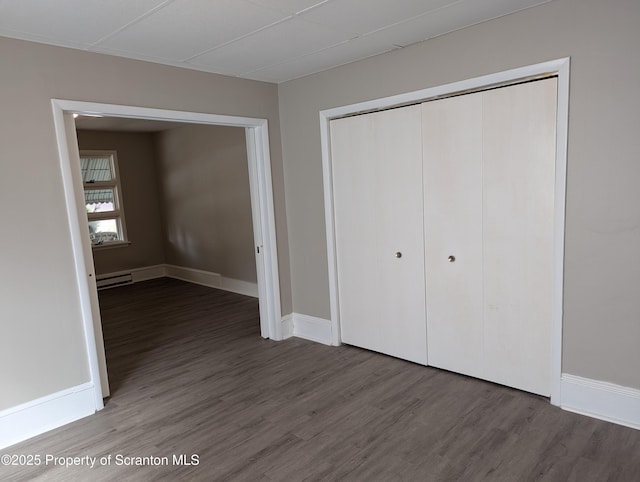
column 398, row 254
column 451, row 258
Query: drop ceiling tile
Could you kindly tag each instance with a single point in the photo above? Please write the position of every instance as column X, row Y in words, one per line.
column 497, row 8
column 290, row 39
column 452, row 17
column 489, row 9
column 186, row 28
column 74, row 22
column 341, row 54
column 272, row 40
column 363, row 16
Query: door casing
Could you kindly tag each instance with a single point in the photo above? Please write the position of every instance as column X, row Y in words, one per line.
column 257, row 141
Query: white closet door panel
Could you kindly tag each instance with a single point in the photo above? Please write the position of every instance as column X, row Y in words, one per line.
column 399, row 221
column 452, row 150
column 354, row 207
column 518, row 212
column 377, row 173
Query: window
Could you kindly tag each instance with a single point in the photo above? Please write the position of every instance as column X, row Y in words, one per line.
column 103, row 198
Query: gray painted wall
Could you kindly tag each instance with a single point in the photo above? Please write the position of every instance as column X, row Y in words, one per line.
column 602, row 259
column 206, row 203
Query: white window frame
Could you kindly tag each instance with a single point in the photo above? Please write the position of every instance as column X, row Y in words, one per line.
column 114, row 183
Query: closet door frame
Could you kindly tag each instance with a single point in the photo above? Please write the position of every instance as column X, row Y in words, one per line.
column 558, row 67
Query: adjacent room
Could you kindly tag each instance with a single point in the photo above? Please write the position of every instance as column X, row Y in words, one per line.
column 320, row 240
column 166, row 199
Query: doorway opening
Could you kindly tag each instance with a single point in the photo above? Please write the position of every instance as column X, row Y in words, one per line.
column 262, row 215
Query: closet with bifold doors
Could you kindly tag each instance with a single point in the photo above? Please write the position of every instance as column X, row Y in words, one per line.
column 444, row 232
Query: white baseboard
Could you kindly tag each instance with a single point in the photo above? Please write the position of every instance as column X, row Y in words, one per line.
column 602, row 400
column 287, row 326
column 148, row 272
column 307, row 327
column 212, row 280
column 198, row 276
column 238, row 286
column 43, row 414
column 312, row 328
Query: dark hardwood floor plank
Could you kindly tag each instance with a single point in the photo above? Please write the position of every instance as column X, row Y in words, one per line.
column 191, row 375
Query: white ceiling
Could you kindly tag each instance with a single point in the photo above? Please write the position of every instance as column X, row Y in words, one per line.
column 268, row 40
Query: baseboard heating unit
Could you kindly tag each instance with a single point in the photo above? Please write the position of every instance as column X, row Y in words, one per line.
column 114, row 280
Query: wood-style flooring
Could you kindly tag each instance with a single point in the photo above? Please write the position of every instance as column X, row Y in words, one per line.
column 190, row 375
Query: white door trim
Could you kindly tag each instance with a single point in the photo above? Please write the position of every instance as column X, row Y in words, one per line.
column 257, row 138
column 559, row 67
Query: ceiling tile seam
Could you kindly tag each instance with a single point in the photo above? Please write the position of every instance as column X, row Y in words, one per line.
column 330, row 27
column 331, row 67
column 132, row 22
column 313, row 7
column 393, row 46
column 478, row 22
column 406, row 20
column 208, row 69
column 295, row 59
column 532, row 5
column 289, row 12
column 399, row 22
column 353, row 35
column 356, row 34
column 315, row 52
column 216, row 47
column 337, row 65
column 449, row 5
